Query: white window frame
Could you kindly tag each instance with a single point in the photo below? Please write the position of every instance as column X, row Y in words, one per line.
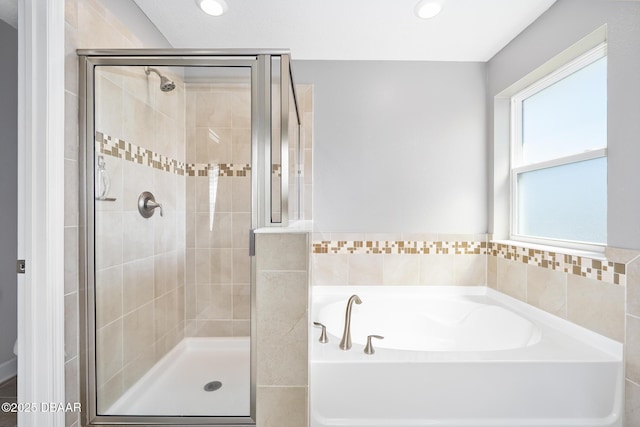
column 518, row 165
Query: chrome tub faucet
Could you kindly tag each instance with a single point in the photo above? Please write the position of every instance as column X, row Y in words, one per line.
column 345, row 344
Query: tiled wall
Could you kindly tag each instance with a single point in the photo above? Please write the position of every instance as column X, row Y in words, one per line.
column 218, row 126
column 398, row 259
column 585, row 291
column 282, row 311
column 589, row 292
column 139, row 261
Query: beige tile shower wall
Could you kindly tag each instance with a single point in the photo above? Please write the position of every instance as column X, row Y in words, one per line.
column 398, row 259
column 140, row 273
column 282, row 312
column 218, row 210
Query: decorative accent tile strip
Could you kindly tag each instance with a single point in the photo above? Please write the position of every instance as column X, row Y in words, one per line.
column 399, row 247
column 607, row 271
column 127, row 151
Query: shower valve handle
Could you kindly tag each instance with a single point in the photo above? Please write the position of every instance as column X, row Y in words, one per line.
column 154, row 205
column 147, row 205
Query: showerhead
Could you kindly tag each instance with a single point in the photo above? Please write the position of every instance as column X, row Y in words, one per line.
column 166, row 85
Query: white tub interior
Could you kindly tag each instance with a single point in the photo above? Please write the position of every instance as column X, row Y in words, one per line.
column 564, row 375
column 431, row 323
column 175, row 385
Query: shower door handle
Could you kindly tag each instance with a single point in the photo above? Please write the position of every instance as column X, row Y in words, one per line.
column 252, row 242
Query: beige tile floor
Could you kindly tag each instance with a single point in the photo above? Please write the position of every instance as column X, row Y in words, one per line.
column 8, row 393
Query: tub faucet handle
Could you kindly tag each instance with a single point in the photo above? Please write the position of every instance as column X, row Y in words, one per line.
column 369, row 347
column 323, row 334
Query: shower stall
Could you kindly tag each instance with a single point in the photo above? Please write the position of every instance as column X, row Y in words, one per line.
column 185, row 154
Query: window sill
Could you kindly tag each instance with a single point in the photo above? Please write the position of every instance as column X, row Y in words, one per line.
column 557, row 249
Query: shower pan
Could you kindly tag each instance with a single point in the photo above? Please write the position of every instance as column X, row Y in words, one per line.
column 185, row 153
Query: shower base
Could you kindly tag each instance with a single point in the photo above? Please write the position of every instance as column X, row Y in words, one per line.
column 176, row 384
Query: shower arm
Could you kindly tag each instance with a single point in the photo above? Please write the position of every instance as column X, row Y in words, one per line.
column 148, row 70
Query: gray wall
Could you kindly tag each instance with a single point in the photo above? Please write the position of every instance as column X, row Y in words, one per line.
column 561, row 26
column 398, row 146
column 8, row 188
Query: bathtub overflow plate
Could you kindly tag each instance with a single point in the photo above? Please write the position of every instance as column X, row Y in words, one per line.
column 212, row 386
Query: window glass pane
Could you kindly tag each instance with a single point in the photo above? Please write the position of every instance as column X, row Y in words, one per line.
column 568, row 117
column 567, row 202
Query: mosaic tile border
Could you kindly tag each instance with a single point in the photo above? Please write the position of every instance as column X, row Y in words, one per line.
column 121, row 149
column 399, row 247
column 607, row 271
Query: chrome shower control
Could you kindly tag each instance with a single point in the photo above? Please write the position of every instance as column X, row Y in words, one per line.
column 147, row 205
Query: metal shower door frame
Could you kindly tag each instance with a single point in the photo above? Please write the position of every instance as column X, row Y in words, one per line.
column 259, row 61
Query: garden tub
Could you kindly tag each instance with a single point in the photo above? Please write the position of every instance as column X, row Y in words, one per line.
column 457, row 357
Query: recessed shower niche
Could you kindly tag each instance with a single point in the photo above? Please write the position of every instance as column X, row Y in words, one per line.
column 185, row 153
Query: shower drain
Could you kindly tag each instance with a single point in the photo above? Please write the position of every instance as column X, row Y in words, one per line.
column 212, row 386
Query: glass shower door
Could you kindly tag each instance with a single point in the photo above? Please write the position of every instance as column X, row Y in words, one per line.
column 172, row 213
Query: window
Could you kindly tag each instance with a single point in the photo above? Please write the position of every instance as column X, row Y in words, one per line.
column 559, row 156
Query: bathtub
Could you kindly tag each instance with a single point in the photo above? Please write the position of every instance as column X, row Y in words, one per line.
column 458, row 357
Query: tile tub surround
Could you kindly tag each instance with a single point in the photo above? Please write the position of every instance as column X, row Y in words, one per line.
column 597, row 269
column 392, row 259
column 587, row 291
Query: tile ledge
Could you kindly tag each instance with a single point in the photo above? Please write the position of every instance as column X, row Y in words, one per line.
column 624, row 256
column 566, row 251
column 303, row 226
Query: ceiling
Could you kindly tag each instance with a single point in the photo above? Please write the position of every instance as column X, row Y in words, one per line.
column 465, row 30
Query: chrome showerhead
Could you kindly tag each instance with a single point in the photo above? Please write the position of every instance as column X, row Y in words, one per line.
column 166, row 85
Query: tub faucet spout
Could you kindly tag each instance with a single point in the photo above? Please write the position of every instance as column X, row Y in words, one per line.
column 345, row 344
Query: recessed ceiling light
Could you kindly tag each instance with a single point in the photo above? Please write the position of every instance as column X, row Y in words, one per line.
column 426, row 9
column 213, row 7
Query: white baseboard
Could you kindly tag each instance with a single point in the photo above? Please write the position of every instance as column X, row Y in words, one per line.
column 8, row 369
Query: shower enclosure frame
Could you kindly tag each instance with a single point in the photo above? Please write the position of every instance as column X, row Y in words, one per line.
column 260, row 63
